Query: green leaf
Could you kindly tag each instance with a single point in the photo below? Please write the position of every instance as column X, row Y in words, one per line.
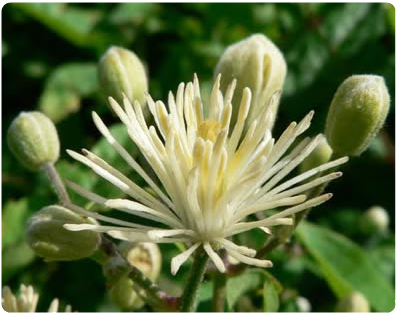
column 14, row 216
column 65, row 87
column 341, row 22
column 205, row 291
column 131, row 12
column 14, row 259
column 237, row 286
column 384, row 260
column 72, row 23
column 346, row 267
column 270, row 297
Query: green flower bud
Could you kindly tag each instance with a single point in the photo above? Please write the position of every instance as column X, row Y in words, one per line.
column 357, row 112
column 256, row 63
column 320, row 155
column 123, row 295
column 33, row 139
column 354, row 303
column 48, row 238
column 147, row 258
column 375, row 219
column 121, row 71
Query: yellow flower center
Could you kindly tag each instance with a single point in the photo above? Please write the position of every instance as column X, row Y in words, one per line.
column 209, row 129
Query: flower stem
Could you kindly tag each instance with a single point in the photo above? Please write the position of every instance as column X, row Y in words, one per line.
column 56, row 182
column 148, row 290
column 219, row 292
column 189, row 297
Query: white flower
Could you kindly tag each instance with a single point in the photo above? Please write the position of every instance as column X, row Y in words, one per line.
column 214, row 176
column 26, row 302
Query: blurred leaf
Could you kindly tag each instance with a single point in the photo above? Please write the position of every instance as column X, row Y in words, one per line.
column 390, row 13
column 72, row 23
column 131, row 12
column 384, row 260
column 14, row 216
column 270, row 297
column 205, row 291
column 14, row 259
column 341, row 22
column 308, row 58
column 65, row 87
column 237, row 286
column 345, row 266
column 4, row 48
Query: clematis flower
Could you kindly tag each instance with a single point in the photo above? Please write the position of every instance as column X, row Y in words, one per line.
column 26, row 302
column 211, row 176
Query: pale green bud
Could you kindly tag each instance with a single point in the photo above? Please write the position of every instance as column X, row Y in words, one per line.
column 354, row 303
column 123, row 295
column 375, row 219
column 33, row 139
column 357, row 112
column 320, row 155
column 256, row 63
column 147, row 258
column 46, row 235
column 120, row 72
column 303, row 304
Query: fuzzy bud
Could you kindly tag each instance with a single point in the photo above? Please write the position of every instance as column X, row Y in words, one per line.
column 46, row 235
column 33, row 139
column 357, row 112
column 256, row 63
column 120, row 72
column 375, row 219
column 354, row 303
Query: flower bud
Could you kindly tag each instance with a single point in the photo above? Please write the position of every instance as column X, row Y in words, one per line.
column 256, row 63
column 33, row 139
column 357, row 112
column 320, row 155
column 354, row 303
column 48, row 238
column 120, row 72
column 147, row 258
column 375, row 219
column 303, row 304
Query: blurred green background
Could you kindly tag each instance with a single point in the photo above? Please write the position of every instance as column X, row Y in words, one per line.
column 50, row 53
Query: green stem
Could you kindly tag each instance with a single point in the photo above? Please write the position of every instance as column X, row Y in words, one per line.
column 56, row 182
column 189, row 297
column 219, row 292
column 148, row 290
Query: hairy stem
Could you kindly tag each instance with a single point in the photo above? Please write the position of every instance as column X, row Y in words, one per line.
column 118, row 267
column 189, row 297
column 219, row 292
column 56, row 182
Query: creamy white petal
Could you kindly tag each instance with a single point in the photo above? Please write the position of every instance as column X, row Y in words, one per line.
column 178, row 260
column 214, row 257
